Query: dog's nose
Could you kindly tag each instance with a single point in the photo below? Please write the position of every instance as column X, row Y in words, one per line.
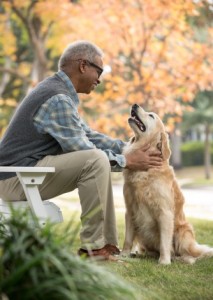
column 134, row 106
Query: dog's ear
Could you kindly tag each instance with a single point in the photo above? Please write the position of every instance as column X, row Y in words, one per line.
column 163, row 146
column 132, row 140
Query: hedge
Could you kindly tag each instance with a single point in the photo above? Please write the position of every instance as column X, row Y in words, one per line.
column 193, row 153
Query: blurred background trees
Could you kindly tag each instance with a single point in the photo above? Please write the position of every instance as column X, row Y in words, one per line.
column 202, row 116
column 157, row 54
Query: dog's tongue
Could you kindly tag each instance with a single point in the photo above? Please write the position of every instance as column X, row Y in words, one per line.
column 140, row 124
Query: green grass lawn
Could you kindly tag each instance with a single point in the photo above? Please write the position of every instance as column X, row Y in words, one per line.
column 176, row 281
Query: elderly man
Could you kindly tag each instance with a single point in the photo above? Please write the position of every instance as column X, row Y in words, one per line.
column 46, row 130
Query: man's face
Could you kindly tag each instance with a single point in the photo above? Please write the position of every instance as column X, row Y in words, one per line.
column 91, row 76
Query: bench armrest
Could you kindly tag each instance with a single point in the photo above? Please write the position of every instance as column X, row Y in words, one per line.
column 27, row 169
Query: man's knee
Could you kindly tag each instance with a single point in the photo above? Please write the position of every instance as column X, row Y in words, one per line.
column 100, row 159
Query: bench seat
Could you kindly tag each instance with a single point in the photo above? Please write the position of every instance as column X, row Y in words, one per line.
column 31, row 178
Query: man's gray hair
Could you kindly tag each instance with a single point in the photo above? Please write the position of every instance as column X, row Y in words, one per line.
column 79, row 50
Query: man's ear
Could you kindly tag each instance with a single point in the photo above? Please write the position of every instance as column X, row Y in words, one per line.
column 163, row 146
column 82, row 66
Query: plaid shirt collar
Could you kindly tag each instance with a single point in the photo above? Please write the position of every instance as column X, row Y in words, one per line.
column 70, row 86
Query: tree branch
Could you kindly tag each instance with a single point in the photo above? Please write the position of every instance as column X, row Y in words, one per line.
column 14, row 72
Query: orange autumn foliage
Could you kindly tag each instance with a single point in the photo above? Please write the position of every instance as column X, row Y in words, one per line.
column 154, row 56
column 150, row 47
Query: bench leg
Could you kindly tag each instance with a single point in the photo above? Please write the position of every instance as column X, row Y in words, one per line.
column 30, row 182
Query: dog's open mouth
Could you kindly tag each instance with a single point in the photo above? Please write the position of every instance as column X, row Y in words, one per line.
column 137, row 121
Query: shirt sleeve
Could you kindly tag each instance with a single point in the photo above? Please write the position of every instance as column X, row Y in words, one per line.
column 59, row 117
column 112, row 147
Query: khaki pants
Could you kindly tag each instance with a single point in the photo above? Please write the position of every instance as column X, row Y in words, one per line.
column 90, row 172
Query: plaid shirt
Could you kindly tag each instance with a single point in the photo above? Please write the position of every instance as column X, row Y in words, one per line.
column 59, row 117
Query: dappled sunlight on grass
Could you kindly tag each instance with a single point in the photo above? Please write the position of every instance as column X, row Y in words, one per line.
column 176, row 281
column 161, row 282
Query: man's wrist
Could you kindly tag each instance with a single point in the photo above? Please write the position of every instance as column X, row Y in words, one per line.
column 119, row 163
column 113, row 163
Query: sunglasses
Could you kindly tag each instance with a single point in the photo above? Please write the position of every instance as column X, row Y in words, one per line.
column 99, row 69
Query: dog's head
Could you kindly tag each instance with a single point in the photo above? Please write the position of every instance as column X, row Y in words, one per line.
column 149, row 129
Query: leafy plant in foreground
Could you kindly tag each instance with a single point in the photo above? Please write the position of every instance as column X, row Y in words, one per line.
column 37, row 263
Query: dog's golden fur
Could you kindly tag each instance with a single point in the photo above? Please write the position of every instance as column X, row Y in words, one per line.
column 154, row 202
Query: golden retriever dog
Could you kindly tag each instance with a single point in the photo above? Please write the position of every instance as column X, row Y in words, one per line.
column 155, row 218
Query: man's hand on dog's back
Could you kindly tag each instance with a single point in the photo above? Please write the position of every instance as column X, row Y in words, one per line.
column 143, row 159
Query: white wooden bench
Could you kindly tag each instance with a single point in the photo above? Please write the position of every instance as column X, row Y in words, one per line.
column 30, row 178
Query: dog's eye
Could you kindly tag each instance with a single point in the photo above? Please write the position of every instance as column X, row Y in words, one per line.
column 151, row 116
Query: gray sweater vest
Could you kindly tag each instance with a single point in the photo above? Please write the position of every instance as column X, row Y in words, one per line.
column 21, row 144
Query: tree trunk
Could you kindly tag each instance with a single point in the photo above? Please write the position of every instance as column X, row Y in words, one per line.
column 37, row 40
column 39, row 70
column 175, row 138
column 39, row 65
column 207, row 154
column 5, row 76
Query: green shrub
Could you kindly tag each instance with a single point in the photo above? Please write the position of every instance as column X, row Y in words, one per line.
column 193, row 153
column 39, row 264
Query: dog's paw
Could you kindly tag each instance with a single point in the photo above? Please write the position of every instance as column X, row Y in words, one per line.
column 188, row 259
column 164, row 261
column 125, row 253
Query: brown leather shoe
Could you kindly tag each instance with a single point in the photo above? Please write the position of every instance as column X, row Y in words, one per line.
column 104, row 253
column 112, row 249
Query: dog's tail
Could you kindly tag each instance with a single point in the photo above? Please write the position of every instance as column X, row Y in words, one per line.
column 186, row 247
column 195, row 252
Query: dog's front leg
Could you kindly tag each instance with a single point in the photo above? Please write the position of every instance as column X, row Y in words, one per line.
column 166, row 224
column 129, row 235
